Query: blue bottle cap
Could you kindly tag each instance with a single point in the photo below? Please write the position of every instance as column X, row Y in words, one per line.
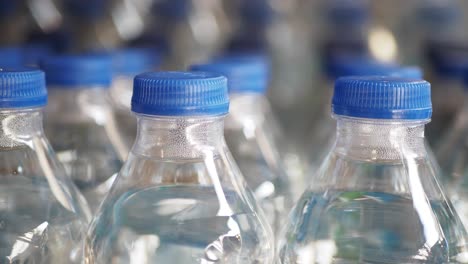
column 448, row 59
column 22, row 88
column 410, row 72
column 33, row 53
column 244, row 74
column 11, row 57
column 382, row 98
column 132, row 61
column 78, row 70
column 180, row 94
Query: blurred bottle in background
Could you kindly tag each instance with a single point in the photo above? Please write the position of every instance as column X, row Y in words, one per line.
column 34, row 53
column 127, row 63
column 446, row 68
column 28, row 54
column 345, row 27
column 194, row 30
column 45, row 20
column 273, row 28
column 11, row 57
column 104, row 24
column 12, row 23
column 44, row 217
column 80, row 122
column 255, row 138
column 427, row 20
column 452, row 152
column 180, row 197
column 376, row 198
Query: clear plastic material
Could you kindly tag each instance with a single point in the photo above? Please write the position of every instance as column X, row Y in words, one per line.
column 179, row 198
column 43, row 217
column 447, row 101
column 452, row 152
column 254, row 139
column 82, row 129
column 321, row 132
column 196, row 33
column 375, row 199
column 427, row 20
column 121, row 95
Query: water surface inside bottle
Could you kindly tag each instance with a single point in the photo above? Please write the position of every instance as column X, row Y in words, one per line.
column 36, row 225
column 179, row 223
column 376, row 227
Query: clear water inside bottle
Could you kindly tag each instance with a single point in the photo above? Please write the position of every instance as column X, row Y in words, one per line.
column 35, row 224
column 178, row 224
column 259, row 155
column 375, row 227
column 88, row 156
column 179, row 198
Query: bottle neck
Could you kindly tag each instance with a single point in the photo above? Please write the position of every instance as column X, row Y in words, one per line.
column 178, row 137
column 246, row 108
column 78, row 104
column 19, row 126
column 372, row 139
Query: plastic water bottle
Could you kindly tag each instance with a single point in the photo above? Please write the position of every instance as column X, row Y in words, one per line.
column 99, row 24
column 425, row 21
column 195, row 30
column 19, row 56
column 447, row 66
column 33, row 53
column 321, row 135
column 80, row 122
column 11, row 57
column 255, row 138
column 346, row 27
column 376, row 198
column 179, row 197
column 43, row 217
column 128, row 63
column 452, row 153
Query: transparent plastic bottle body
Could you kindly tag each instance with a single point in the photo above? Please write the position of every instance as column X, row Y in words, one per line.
column 425, row 21
column 375, row 199
column 179, row 199
column 83, row 131
column 446, row 69
column 321, row 133
column 252, row 136
column 43, row 217
column 195, row 30
column 121, row 95
column 448, row 101
column 99, row 25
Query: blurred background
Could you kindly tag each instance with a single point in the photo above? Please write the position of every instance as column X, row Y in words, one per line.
column 299, row 38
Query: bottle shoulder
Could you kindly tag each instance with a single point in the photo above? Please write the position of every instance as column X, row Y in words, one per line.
column 395, row 176
column 34, row 171
column 185, row 203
